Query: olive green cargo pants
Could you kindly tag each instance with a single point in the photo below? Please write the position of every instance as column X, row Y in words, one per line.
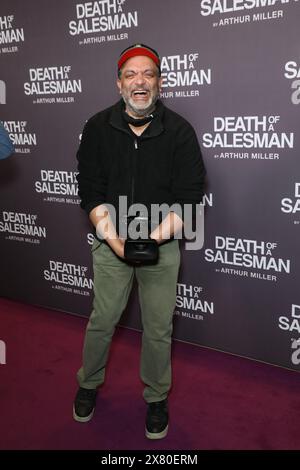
column 113, row 280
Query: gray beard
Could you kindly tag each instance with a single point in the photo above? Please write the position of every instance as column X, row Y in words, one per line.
column 140, row 113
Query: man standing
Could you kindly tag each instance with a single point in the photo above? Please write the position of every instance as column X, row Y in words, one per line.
column 142, row 151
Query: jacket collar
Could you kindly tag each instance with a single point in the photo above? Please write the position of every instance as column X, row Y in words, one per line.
column 155, row 128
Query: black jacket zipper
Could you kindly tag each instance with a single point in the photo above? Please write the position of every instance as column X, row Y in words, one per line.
column 134, row 171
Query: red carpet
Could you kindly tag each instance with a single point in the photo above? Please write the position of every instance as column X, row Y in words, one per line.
column 218, row 401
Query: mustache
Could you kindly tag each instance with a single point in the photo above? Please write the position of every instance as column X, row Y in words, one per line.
column 143, row 88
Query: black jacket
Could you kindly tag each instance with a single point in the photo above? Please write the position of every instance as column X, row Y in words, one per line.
column 163, row 165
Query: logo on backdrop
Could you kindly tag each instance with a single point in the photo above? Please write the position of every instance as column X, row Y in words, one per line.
column 247, row 258
column 190, row 303
column 58, row 186
column 270, row 13
column 183, row 75
column 23, row 140
column 10, row 35
column 291, row 324
column 207, row 200
column 292, row 72
column 102, row 18
column 90, row 238
column 21, row 227
column 67, row 277
column 291, row 205
column 259, row 133
column 2, row 92
column 49, row 85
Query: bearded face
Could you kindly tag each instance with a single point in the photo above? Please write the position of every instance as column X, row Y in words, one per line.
column 139, row 85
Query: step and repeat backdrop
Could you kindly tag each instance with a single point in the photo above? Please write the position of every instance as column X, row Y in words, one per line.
column 232, row 68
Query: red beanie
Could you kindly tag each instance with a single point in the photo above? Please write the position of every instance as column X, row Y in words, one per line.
column 138, row 49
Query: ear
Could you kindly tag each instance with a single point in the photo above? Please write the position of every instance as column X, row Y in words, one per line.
column 119, row 85
column 160, row 84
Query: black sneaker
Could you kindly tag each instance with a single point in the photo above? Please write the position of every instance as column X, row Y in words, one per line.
column 84, row 404
column 157, row 420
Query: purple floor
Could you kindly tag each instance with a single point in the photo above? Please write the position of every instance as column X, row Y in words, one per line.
column 218, row 401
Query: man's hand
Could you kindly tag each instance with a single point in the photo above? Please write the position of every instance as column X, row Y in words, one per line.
column 169, row 227
column 117, row 246
column 105, row 228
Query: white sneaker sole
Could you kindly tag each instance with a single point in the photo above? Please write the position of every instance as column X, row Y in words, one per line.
column 157, row 435
column 82, row 419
